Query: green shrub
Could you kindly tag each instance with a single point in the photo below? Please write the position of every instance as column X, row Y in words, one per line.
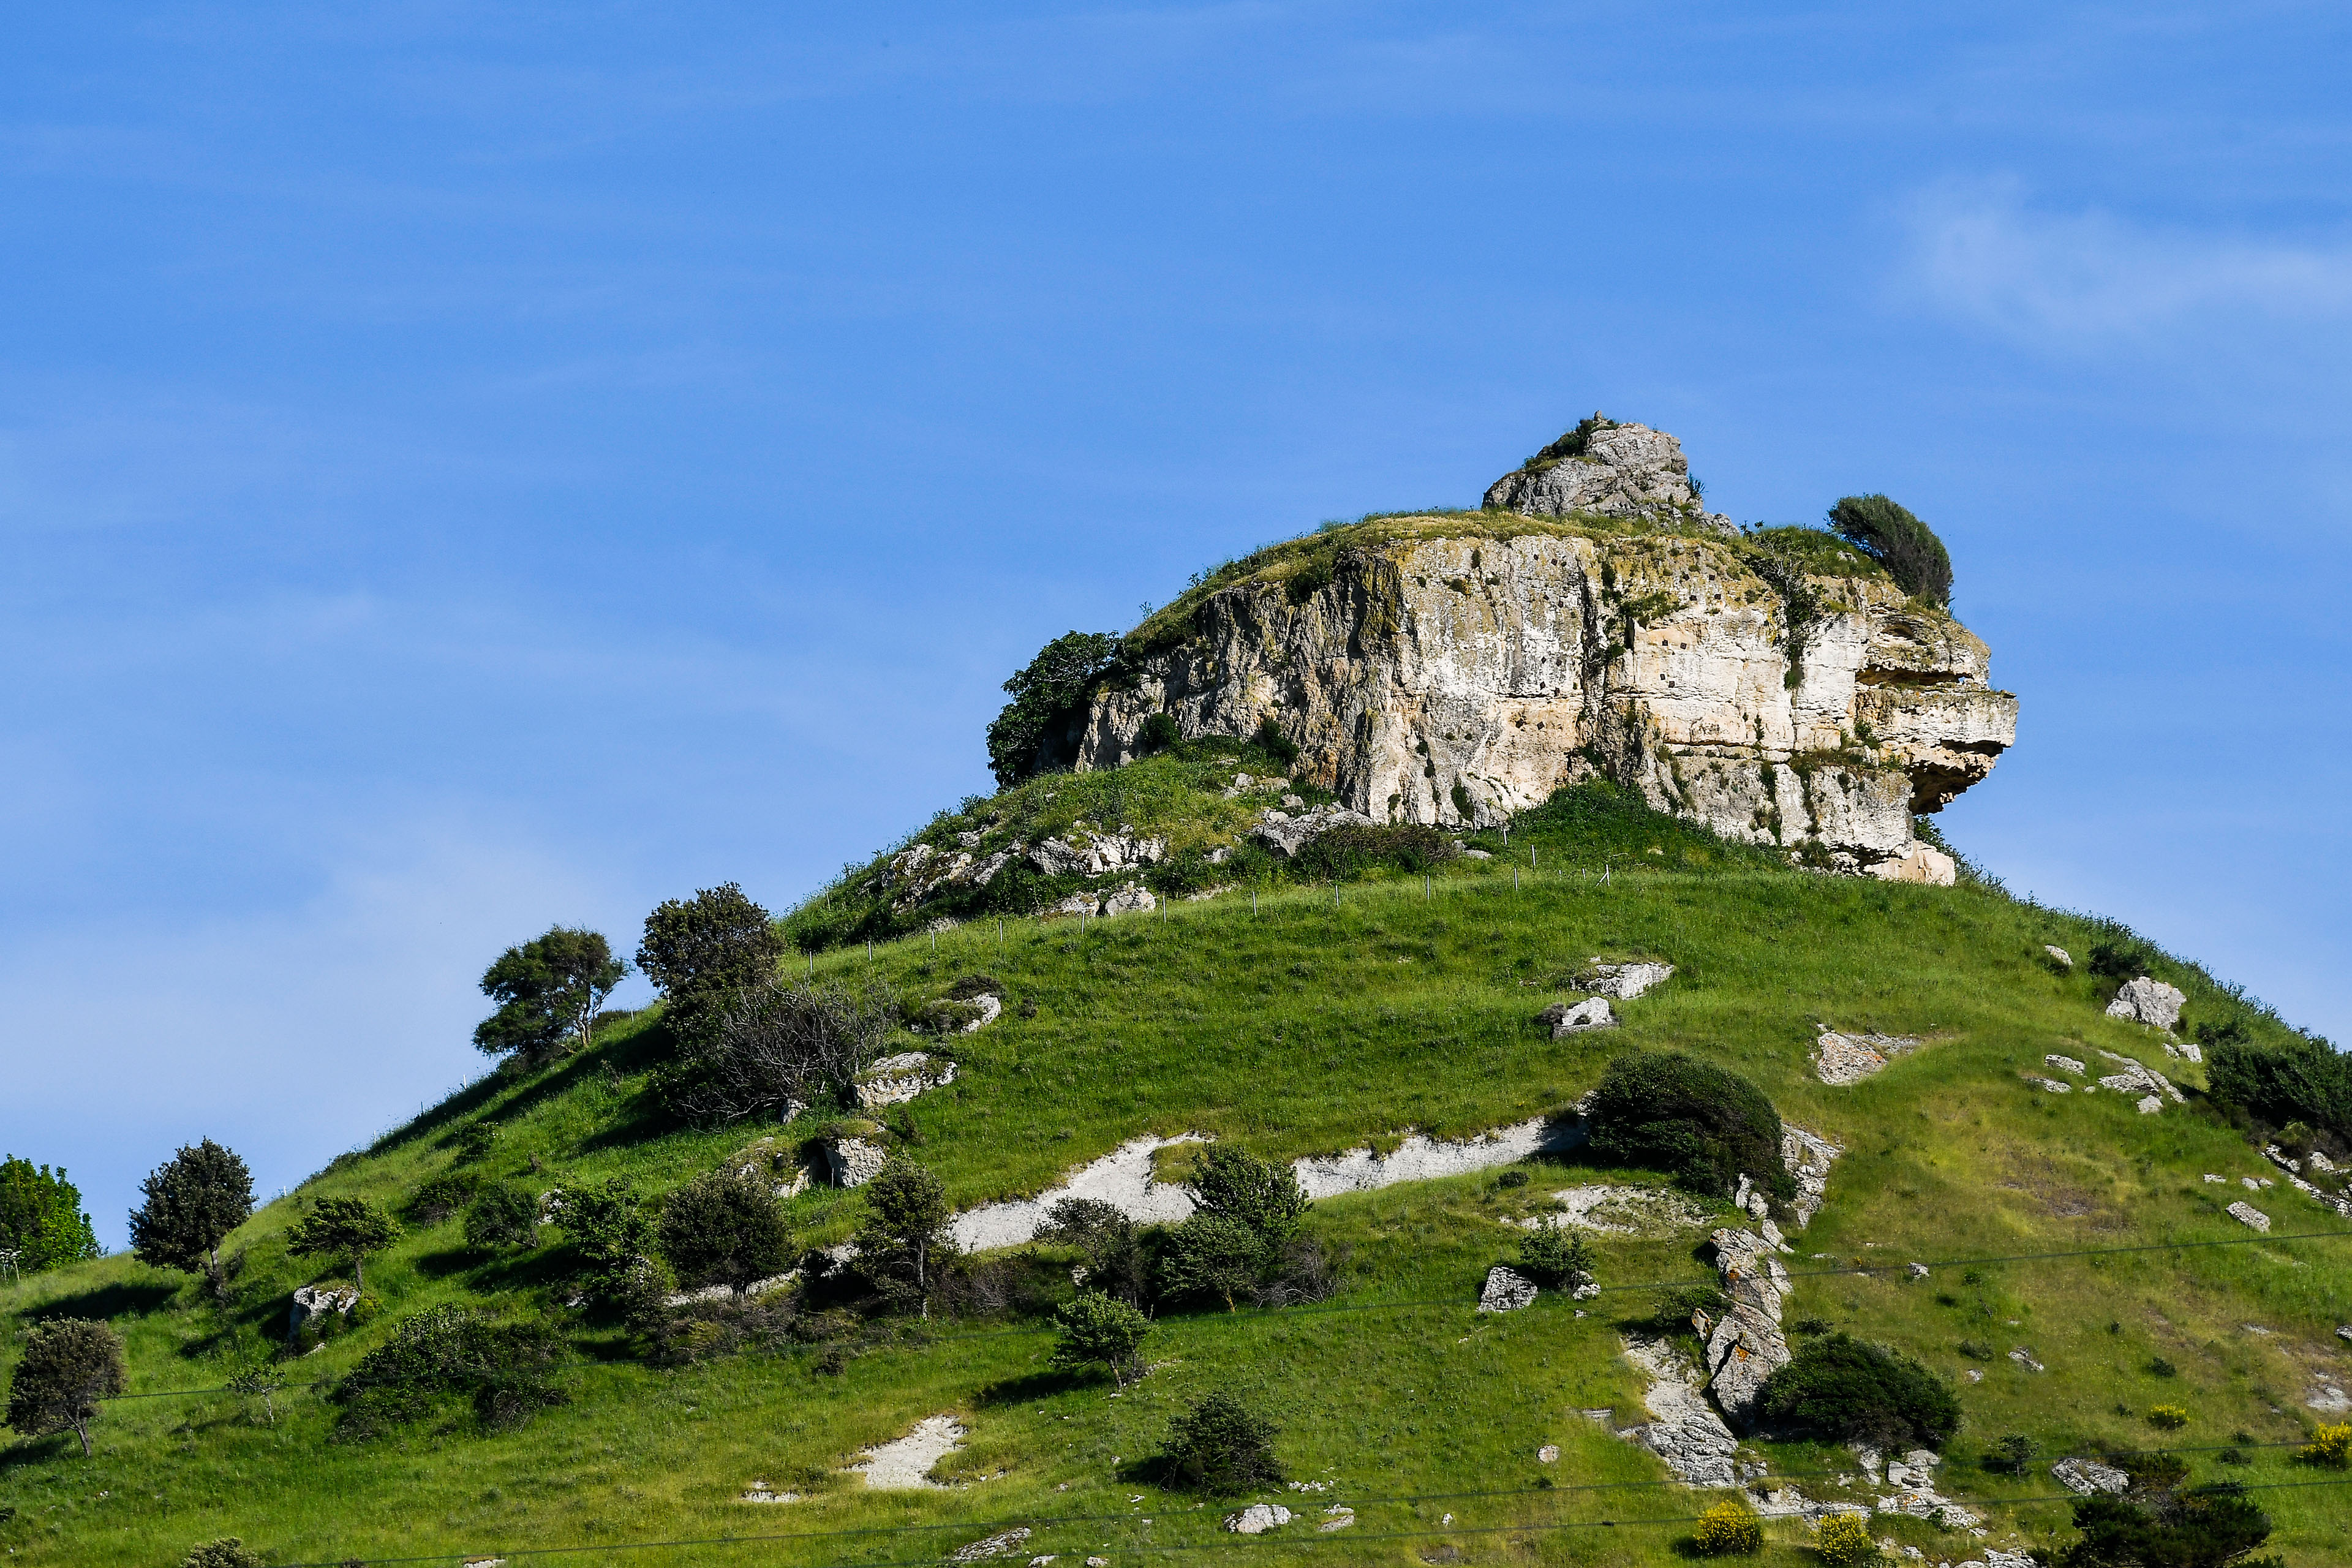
column 1097, row 1330
column 68, row 1366
column 1279, row 747
column 41, row 1216
column 725, row 1228
column 2170, row 1417
column 505, row 1370
column 1844, row 1541
column 228, row 1552
column 1160, row 732
column 2121, row 958
column 1842, row 1390
column 1049, row 694
column 1728, row 1530
column 2012, row 1454
column 1222, row 1447
column 502, row 1216
column 438, row 1197
column 2299, row 1080
column 1348, row 851
column 1892, row 536
column 611, row 1233
column 1211, row 1255
column 905, row 1240
column 2197, row 1527
column 1553, row 1256
column 1668, row 1112
column 1233, row 1184
column 1117, row 1260
column 1571, row 444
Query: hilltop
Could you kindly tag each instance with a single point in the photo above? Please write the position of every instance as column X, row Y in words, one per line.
column 1197, row 937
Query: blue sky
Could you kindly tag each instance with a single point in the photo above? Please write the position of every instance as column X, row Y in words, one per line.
column 468, row 467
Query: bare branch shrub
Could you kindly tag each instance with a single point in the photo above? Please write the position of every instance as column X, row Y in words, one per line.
column 781, row 1048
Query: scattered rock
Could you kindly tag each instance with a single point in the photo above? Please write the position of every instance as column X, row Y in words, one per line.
column 1840, row 1059
column 1134, row 899
column 2066, row 1064
column 1623, row 981
column 1807, row 1156
column 1257, row 1519
column 2051, row 1084
column 894, row 1080
column 854, row 1156
column 2327, row 1399
column 1917, row 1271
column 1548, row 1455
column 904, row 1463
column 2149, row 1002
column 1973, row 1375
column 2148, row 1105
column 2246, row 1214
column 1745, row 1345
column 2088, row 1477
column 761, row 1491
column 1565, row 1019
column 1505, row 1290
column 1683, row 1431
column 1341, row 1517
column 1621, row 1211
column 2063, row 959
column 2140, row 1078
column 1001, row 1544
column 2211, row 1177
column 2024, row 1357
column 1421, row 1158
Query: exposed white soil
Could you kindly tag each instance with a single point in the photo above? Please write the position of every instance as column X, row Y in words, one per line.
column 1421, row 1158
column 1621, row 1211
column 1121, row 1178
column 905, row 1464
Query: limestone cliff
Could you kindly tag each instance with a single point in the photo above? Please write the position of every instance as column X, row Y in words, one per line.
column 1454, row 669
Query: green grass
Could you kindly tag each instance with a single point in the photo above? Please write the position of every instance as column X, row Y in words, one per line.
column 1315, row 1024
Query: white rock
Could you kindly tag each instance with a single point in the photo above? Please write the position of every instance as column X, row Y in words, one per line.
column 1623, row 980
column 853, row 1162
column 2024, row 1358
column 1548, row 1455
column 1002, row 1544
column 1340, row 1516
column 1684, row 1431
column 2343, row 1332
column 2246, row 1214
column 2089, row 1476
column 2065, row 959
column 1257, row 1519
column 1133, row 899
column 2148, row 1105
column 311, row 1300
column 1841, row 1059
column 2211, row 1177
column 2051, row 1084
column 1565, row 1020
column 896, row 1079
column 2149, row 1002
column 1505, row 1290
column 2066, row 1064
column 1924, row 863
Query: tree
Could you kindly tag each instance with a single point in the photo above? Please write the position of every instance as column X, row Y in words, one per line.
column 778, row 1045
column 1117, row 1260
column 193, row 1199
column 1211, row 1255
column 905, row 1236
column 1233, row 1184
column 41, row 1218
column 502, row 1216
column 1097, row 1330
column 1048, row 693
column 547, row 989
column 69, row 1364
column 344, row 1229
column 725, row 1228
column 1221, row 1445
column 700, row 952
column 1890, row 535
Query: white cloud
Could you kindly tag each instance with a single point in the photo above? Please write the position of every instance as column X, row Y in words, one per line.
column 1982, row 252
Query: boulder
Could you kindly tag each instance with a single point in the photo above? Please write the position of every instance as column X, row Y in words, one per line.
column 2059, row 957
column 2067, row 1064
column 1746, row 1344
column 312, row 1300
column 1286, row 835
column 1132, row 899
column 1257, row 1519
column 1841, row 1059
column 894, row 1080
column 1505, row 1290
column 1623, row 981
column 2247, row 1215
column 1002, row 1544
column 1924, row 863
column 853, row 1158
column 1566, row 1019
column 2088, row 1477
column 2025, row 1357
column 2149, row 1002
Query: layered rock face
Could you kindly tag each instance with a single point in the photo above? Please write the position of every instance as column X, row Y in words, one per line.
column 1455, row 680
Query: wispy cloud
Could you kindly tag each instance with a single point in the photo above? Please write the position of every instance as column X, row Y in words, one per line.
column 1984, row 252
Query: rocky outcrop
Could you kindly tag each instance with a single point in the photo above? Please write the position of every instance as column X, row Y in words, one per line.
column 2149, row 1002
column 1745, row 1345
column 1456, row 677
column 896, row 1079
column 1566, row 1018
column 1505, row 1290
column 1623, row 470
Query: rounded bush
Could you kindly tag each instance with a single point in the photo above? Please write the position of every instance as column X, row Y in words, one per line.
column 2171, row 1417
column 1843, row 1389
column 1844, row 1541
column 1669, row 1112
column 1728, row 1530
column 2329, row 1445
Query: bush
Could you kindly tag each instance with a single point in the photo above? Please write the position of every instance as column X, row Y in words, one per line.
column 2299, row 1080
column 1097, row 1330
column 1211, row 1255
column 1116, row 1262
column 1729, row 1530
column 1159, row 733
column 438, row 1197
column 2329, row 1445
column 505, row 1370
column 774, row 1045
column 1233, row 1184
column 1666, row 1111
column 1050, row 694
column 905, row 1237
column 1279, row 747
column 1559, row 1257
column 1844, row 1541
column 1892, row 536
column 2011, row 1455
column 725, row 1228
column 548, row 990
column 502, row 1216
column 345, row 1230
column 228, row 1552
column 2170, row 1417
column 610, row 1232
column 1842, row 1390
column 2201, row 1526
column 1222, row 1447
column 2121, row 958
column 1351, row 851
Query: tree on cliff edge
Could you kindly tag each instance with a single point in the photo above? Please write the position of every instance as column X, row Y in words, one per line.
column 1892, row 536
column 1046, row 693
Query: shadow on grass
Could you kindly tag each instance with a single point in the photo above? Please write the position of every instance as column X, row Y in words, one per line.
column 1033, row 1386
column 123, row 1299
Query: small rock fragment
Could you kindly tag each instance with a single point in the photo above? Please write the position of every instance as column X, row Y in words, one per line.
column 1505, row 1290
column 1257, row 1519
column 997, row 1545
column 2024, row 1357
column 2089, row 1476
column 1549, row 1453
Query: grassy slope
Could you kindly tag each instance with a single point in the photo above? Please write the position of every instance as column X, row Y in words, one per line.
column 1306, row 1026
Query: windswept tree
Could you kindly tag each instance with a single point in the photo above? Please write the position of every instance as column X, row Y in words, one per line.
column 193, row 1199
column 41, row 1218
column 346, row 1230
column 1234, row 1184
column 701, row 953
column 68, row 1366
column 1047, row 694
column 548, row 991
column 1890, row 535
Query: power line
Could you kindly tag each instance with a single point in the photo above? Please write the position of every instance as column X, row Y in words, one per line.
column 998, row 1527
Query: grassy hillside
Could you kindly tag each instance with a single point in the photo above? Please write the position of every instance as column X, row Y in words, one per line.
column 1321, row 1018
